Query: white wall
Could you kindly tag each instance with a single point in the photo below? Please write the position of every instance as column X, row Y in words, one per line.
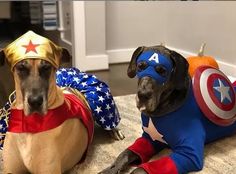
column 180, row 25
column 190, row 24
column 131, row 24
column 115, row 29
column 95, row 27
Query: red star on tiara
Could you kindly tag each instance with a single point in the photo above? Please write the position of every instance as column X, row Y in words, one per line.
column 30, row 47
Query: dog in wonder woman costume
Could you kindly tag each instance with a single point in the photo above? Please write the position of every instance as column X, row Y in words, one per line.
column 52, row 111
column 178, row 112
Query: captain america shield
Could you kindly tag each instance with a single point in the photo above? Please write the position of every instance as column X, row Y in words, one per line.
column 215, row 95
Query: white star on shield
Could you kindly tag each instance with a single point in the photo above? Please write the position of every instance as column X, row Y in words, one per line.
column 224, row 91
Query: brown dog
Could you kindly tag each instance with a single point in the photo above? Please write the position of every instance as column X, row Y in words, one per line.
column 25, row 151
column 50, row 128
column 54, row 149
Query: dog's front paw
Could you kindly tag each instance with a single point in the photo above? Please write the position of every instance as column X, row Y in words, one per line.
column 117, row 134
column 139, row 171
column 110, row 170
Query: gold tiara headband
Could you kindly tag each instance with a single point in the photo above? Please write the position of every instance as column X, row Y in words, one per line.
column 32, row 46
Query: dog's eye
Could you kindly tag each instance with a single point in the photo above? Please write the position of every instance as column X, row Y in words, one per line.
column 22, row 68
column 161, row 70
column 45, row 67
column 142, row 66
column 45, row 70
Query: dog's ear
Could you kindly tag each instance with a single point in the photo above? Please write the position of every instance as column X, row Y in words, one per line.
column 2, row 58
column 180, row 70
column 65, row 56
column 132, row 65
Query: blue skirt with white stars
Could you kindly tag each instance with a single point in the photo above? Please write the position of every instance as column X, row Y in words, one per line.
column 96, row 92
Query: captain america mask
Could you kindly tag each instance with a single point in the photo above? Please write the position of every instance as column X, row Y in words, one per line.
column 154, row 65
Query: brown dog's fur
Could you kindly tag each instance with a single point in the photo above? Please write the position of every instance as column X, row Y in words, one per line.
column 50, row 152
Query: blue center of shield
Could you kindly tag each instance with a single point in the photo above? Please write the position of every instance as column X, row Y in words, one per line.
column 154, row 62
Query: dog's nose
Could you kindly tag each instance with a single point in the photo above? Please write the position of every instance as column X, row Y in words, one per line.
column 144, row 95
column 35, row 101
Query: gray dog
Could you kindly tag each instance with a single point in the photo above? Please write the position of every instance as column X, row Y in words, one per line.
column 171, row 114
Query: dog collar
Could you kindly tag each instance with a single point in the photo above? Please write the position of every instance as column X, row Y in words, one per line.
column 152, row 60
column 32, row 46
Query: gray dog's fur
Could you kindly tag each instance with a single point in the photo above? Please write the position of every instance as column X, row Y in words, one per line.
column 154, row 99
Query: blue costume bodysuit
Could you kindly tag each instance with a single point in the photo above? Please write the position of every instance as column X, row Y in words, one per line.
column 185, row 130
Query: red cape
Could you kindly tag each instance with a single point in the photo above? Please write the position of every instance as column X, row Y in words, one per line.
column 34, row 123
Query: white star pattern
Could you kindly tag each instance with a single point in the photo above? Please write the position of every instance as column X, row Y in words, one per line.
column 92, row 92
column 94, row 76
column 100, row 98
column 98, row 109
column 1, row 126
column 108, row 94
column 153, row 133
column 108, row 107
column 98, row 88
column 85, row 76
column 76, row 79
column 110, row 116
column 63, row 69
column 108, row 127
column 224, row 91
column 93, row 82
column 58, row 72
column 112, row 103
column 70, row 73
column 102, row 120
column 113, row 124
column 84, row 84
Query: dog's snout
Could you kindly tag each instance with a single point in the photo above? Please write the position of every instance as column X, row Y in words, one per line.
column 35, row 101
column 144, row 95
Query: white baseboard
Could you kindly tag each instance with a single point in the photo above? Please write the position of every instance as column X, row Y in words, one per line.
column 97, row 62
column 124, row 55
column 120, row 55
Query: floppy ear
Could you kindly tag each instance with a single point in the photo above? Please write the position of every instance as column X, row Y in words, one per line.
column 180, row 71
column 132, row 65
column 2, row 58
column 65, row 56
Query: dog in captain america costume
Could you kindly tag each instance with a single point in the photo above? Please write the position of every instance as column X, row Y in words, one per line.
column 177, row 112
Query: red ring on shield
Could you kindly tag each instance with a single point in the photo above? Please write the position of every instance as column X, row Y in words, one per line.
column 215, row 110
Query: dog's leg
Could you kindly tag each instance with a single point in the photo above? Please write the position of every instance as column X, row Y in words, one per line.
column 51, row 166
column 117, row 134
column 12, row 162
column 122, row 161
